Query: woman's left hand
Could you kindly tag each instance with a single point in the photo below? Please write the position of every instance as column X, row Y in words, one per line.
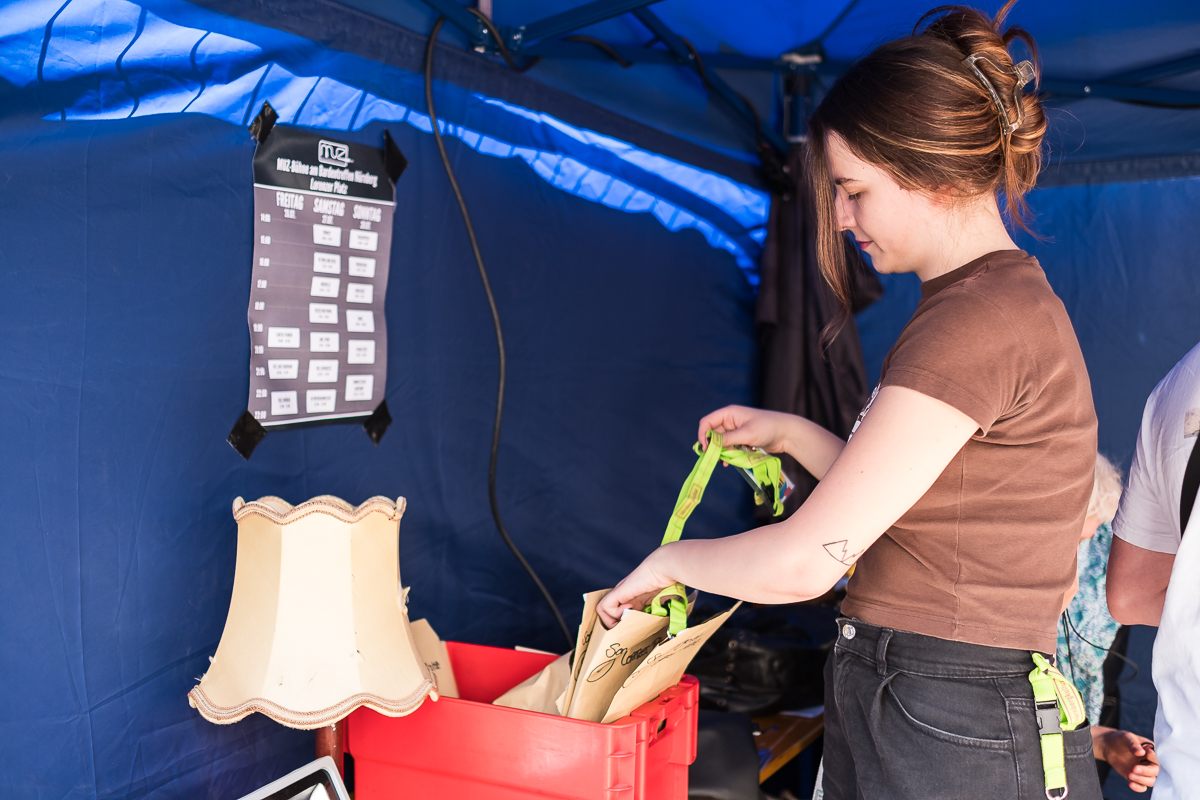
column 1132, row 756
column 635, row 591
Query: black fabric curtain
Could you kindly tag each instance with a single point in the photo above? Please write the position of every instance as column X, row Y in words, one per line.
column 827, row 385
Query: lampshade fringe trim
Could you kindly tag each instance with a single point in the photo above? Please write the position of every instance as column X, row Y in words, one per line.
column 308, row 720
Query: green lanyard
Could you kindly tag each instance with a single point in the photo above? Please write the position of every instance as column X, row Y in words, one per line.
column 1059, row 708
column 672, row 601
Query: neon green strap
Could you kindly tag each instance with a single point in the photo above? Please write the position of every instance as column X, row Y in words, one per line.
column 675, row 599
column 764, row 467
column 1059, row 708
column 672, row 601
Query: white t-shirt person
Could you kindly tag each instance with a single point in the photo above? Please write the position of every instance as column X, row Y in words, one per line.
column 1154, row 571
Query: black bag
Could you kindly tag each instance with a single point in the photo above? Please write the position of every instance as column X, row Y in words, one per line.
column 1191, row 483
column 767, row 659
column 727, row 762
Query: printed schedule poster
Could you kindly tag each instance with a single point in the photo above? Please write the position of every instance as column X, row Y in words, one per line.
column 322, row 236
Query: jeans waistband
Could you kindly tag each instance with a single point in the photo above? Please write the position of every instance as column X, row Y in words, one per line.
column 919, row 654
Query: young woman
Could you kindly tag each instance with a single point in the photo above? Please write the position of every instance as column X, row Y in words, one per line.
column 962, row 491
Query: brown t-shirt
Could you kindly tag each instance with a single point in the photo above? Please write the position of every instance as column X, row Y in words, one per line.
column 988, row 553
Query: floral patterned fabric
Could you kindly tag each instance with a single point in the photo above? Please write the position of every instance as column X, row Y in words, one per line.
column 1084, row 643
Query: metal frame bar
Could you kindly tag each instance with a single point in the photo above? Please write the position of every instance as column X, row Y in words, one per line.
column 537, row 39
column 1136, row 94
column 1131, row 85
column 718, row 85
column 1160, row 71
column 464, row 19
column 600, row 10
column 573, row 20
column 641, row 55
column 1108, row 88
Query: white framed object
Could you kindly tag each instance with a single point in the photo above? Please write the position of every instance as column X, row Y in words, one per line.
column 318, row 780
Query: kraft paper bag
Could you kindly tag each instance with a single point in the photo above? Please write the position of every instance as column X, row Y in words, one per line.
column 663, row 668
column 611, row 657
column 539, row 692
column 599, row 669
column 433, row 652
column 582, row 640
column 607, row 679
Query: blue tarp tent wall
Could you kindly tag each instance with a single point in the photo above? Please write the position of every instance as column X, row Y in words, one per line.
column 621, row 216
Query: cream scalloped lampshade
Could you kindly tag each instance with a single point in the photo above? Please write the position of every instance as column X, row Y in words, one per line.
column 316, row 625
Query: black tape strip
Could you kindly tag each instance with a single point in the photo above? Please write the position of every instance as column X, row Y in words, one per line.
column 247, row 433
column 393, row 160
column 377, row 424
column 261, row 127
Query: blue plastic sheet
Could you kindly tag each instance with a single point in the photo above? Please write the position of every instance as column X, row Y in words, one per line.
column 113, row 59
column 127, row 250
column 621, row 276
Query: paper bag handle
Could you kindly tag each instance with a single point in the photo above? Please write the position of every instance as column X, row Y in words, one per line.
column 672, row 601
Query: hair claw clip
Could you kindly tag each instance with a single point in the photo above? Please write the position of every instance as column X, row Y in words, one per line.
column 1023, row 72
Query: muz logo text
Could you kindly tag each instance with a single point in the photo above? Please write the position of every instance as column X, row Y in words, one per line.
column 334, row 153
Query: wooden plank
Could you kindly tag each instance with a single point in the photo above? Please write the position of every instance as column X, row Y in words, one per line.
column 785, row 736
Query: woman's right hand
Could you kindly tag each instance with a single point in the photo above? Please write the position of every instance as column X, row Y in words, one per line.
column 752, row 427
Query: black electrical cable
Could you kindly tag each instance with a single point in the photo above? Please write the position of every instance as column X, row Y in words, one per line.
column 487, row 288
column 602, row 47
column 1109, row 650
column 1070, row 657
column 774, row 171
column 702, row 72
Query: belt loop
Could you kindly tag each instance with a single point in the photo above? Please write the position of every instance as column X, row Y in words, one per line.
column 885, row 636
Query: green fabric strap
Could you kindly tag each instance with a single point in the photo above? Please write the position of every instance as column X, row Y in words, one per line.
column 1059, row 708
column 764, row 467
column 672, row 601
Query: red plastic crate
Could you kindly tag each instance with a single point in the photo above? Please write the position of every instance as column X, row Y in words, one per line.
column 468, row 748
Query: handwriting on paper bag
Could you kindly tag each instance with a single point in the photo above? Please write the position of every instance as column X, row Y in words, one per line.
column 600, row 671
column 657, row 657
column 616, row 652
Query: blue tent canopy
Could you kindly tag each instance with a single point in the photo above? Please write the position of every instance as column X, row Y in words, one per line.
column 622, row 215
column 1145, row 53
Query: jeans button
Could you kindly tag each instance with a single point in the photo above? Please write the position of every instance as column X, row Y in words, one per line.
column 848, row 631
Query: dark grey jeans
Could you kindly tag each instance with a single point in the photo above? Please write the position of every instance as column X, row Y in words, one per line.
column 913, row 716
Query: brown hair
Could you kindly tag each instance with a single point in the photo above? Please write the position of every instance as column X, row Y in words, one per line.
column 914, row 108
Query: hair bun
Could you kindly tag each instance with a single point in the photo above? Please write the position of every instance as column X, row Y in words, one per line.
column 1021, row 122
column 985, row 48
column 944, row 110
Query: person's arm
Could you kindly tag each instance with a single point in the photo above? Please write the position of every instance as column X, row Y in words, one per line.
column 902, row 446
column 1137, row 583
column 1145, row 530
column 1070, row 595
column 813, row 447
column 1132, row 756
